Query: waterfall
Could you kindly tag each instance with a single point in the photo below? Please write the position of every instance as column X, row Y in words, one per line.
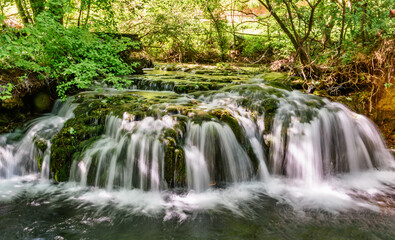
column 331, row 140
column 19, row 150
column 242, row 151
column 250, row 135
column 129, row 155
column 214, row 155
column 254, row 130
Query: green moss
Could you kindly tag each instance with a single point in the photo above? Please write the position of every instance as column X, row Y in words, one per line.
column 41, row 144
column 254, row 160
column 270, row 108
column 227, row 118
column 39, row 160
column 175, row 168
column 199, row 116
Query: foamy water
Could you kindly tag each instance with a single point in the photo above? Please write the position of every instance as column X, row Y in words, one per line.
column 372, row 191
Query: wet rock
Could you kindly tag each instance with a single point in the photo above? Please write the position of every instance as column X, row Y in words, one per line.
column 175, row 169
column 41, row 144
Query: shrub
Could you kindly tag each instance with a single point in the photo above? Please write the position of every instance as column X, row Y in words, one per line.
column 72, row 56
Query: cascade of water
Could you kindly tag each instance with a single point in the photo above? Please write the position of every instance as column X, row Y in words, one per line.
column 251, row 123
column 213, row 154
column 129, row 155
column 19, row 157
column 310, row 137
column 310, row 143
column 254, row 132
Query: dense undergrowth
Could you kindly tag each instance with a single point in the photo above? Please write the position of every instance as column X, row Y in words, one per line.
column 69, row 58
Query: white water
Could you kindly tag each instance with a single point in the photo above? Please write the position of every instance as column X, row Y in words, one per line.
column 213, row 154
column 371, row 191
column 323, row 157
column 129, row 155
column 336, row 140
column 19, row 158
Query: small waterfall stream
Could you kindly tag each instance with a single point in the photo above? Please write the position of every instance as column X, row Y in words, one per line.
column 130, row 154
column 19, row 151
column 214, row 155
column 248, row 150
column 335, row 140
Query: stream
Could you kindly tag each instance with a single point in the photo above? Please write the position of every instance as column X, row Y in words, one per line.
column 198, row 155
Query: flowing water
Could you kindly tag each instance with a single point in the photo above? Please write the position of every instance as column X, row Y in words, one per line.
column 316, row 170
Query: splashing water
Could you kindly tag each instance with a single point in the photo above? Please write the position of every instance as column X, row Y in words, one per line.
column 214, row 155
column 130, row 154
column 18, row 157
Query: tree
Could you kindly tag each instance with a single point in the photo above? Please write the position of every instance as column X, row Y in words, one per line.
column 22, row 11
column 213, row 10
column 288, row 14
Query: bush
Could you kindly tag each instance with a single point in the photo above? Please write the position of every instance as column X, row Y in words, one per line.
column 73, row 56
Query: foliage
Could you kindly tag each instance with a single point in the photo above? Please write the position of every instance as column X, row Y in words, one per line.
column 387, row 85
column 72, row 56
column 310, row 35
column 5, row 91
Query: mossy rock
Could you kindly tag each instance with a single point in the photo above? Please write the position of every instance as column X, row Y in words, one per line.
column 175, row 166
column 41, row 144
column 85, row 127
column 13, row 102
column 226, row 117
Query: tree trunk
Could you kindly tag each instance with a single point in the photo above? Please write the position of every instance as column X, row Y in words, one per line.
column 327, row 32
column 80, row 13
column 87, row 13
column 218, row 28
column 363, row 23
column 22, row 11
column 342, row 28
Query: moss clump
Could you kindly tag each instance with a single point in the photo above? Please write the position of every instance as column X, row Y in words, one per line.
column 71, row 141
column 175, row 168
column 227, row 118
column 270, row 108
column 199, row 116
column 187, row 88
column 39, row 160
column 41, row 144
column 254, row 160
